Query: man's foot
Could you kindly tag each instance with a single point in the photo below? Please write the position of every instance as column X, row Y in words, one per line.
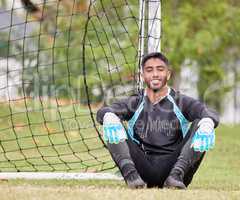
column 134, row 181
column 174, row 182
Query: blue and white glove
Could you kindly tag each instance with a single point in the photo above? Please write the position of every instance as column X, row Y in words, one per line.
column 204, row 138
column 113, row 130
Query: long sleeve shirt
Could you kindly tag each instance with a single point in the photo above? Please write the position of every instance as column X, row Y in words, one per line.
column 157, row 127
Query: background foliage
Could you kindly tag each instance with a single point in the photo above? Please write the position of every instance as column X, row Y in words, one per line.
column 204, row 32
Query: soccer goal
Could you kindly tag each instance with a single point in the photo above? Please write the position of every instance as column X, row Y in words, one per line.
column 59, row 62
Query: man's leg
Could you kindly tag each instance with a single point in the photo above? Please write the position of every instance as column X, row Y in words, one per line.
column 187, row 163
column 145, row 164
column 189, row 175
column 121, row 156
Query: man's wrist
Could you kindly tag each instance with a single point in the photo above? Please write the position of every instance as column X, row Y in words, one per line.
column 206, row 125
column 110, row 117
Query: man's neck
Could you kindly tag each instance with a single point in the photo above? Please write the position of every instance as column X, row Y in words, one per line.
column 156, row 96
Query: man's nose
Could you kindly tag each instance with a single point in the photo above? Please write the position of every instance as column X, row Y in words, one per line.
column 155, row 73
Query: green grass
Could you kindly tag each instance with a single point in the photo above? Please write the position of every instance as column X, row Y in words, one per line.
column 46, row 136
column 217, row 178
column 220, row 169
column 101, row 190
column 24, row 145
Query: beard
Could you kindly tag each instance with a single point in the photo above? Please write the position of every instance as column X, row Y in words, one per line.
column 157, row 85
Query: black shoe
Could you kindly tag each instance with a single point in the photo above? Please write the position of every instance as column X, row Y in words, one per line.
column 174, row 181
column 134, row 181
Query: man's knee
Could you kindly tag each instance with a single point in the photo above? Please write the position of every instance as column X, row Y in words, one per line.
column 118, row 149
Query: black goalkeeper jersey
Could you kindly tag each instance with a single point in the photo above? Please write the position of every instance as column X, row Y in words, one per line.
column 158, row 128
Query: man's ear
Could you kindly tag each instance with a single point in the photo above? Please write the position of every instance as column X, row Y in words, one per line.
column 169, row 74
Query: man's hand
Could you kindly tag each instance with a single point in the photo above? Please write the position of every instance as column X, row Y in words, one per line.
column 113, row 130
column 204, row 138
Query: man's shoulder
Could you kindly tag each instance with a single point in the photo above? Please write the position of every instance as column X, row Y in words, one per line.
column 136, row 96
column 179, row 96
column 175, row 93
column 131, row 99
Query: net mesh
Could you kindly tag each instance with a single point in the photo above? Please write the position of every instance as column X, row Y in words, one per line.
column 59, row 62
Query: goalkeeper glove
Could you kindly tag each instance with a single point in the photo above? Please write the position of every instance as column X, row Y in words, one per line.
column 113, row 130
column 204, row 138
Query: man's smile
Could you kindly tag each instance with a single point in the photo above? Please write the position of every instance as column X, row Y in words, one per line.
column 156, row 81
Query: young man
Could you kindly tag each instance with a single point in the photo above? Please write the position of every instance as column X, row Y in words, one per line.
column 168, row 133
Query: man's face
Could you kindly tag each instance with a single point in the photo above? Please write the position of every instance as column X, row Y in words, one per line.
column 155, row 74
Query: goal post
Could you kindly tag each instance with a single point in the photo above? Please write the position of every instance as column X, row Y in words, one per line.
column 154, row 26
column 60, row 61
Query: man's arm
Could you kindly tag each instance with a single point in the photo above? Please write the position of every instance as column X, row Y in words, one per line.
column 204, row 137
column 124, row 108
column 194, row 109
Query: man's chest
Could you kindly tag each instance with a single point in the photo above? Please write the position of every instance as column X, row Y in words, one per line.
column 157, row 121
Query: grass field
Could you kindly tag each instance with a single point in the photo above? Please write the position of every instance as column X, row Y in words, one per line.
column 49, row 136
column 218, row 178
column 43, row 136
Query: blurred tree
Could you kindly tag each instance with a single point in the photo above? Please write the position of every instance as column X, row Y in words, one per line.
column 3, row 3
column 108, row 32
column 206, row 32
column 3, row 44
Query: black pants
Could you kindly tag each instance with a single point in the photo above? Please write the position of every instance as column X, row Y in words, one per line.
column 154, row 169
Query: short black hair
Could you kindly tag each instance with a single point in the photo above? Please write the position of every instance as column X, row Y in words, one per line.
column 154, row 55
